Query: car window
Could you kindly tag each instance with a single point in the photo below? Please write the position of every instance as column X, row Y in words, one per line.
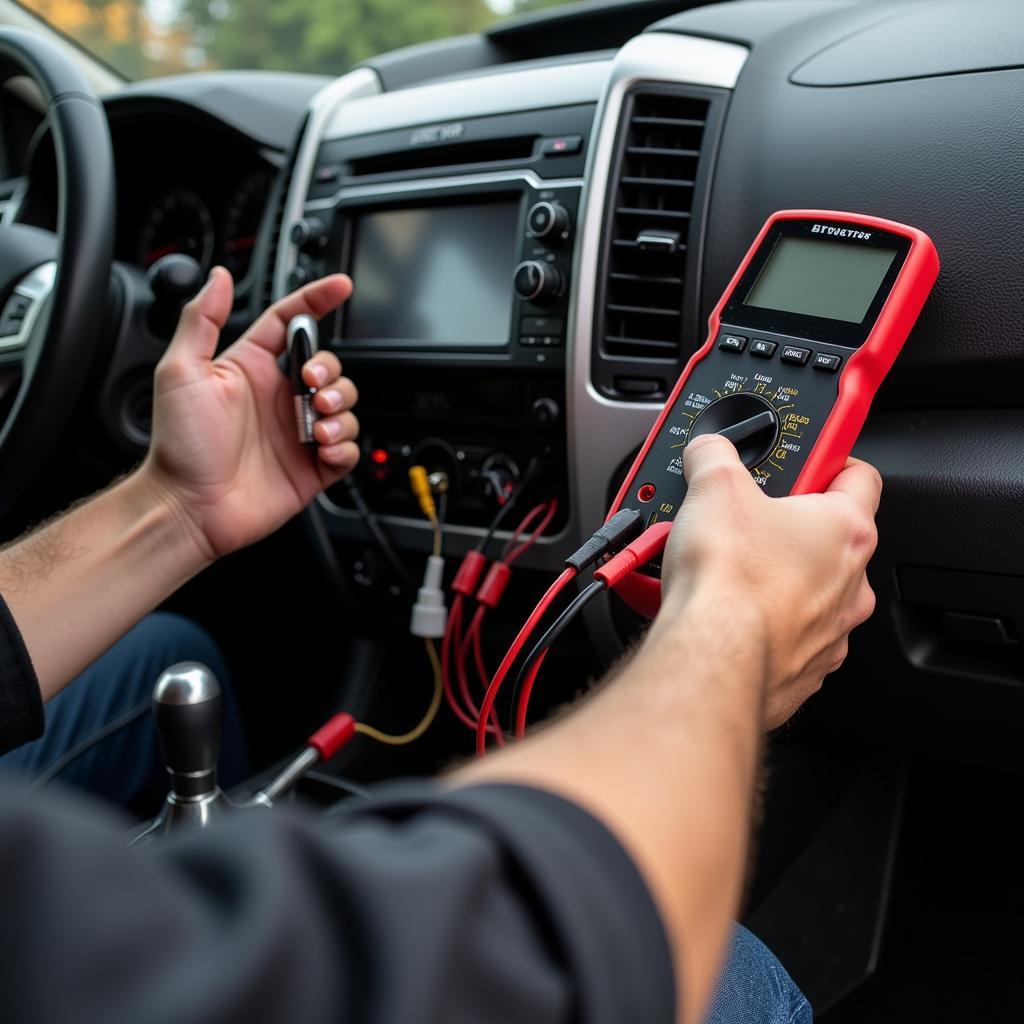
column 147, row 38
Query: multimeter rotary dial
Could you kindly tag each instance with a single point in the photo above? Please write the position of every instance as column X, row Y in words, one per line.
column 750, row 422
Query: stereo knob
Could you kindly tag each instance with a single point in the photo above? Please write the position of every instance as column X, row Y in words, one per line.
column 310, row 235
column 300, row 276
column 549, row 222
column 545, row 412
column 748, row 421
column 539, row 281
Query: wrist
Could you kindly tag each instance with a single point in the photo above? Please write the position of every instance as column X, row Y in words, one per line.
column 717, row 622
column 158, row 499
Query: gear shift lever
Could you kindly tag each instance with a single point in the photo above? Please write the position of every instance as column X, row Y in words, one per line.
column 187, row 710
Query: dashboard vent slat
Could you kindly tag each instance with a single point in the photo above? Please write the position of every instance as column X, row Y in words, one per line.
column 653, row 191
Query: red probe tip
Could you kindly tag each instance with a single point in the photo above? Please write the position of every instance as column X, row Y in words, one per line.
column 333, row 735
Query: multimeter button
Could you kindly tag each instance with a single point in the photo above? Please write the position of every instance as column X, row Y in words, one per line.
column 797, row 356
column 826, row 361
column 732, row 342
column 763, row 349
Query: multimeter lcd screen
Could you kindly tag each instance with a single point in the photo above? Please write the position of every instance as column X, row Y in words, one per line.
column 818, row 277
column 435, row 275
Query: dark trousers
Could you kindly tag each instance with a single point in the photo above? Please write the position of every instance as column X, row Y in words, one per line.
column 125, row 767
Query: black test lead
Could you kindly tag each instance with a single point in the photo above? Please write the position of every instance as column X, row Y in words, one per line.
column 302, row 344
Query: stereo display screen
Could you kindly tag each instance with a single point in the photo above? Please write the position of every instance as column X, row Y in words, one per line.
column 437, row 275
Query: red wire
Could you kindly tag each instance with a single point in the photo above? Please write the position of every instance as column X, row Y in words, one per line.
column 524, row 696
column 462, row 644
column 460, row 664
column 510, row 554
column 446, row 645
column 450, row 637
column 513, row 652
column 478, row 653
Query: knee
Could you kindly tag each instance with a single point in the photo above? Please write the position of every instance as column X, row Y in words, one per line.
column 164, row 638
column 180, row 639
column 755, row 987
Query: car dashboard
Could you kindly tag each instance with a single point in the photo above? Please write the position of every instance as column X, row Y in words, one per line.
column 537, row 238
column 695, row 130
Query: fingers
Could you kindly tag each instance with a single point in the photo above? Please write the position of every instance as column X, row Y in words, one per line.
column 341, row 457
column 334, row 392
column 336, row 397
column 333, row 429
column 862, row 482
column 316, row 299
column 323, row 367
column 202, row 319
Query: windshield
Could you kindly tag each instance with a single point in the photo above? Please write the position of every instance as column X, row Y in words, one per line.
column 146, row 38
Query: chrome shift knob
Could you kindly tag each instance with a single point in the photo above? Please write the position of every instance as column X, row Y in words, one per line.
column 187, row 711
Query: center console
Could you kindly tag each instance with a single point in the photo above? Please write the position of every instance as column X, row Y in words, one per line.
column 459, row 238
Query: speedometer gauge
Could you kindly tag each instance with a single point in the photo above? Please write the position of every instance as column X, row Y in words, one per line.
column 242, row 222
column 179, row 221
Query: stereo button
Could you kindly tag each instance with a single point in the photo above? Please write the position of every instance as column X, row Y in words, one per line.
column 561, row 145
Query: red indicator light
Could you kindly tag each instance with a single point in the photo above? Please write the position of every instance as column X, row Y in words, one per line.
column 646, row 492
column 380, row 456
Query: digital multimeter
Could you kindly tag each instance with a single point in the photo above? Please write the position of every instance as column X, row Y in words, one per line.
column 798, row 345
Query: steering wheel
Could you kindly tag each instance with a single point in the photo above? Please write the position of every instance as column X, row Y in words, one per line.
column 54, row 290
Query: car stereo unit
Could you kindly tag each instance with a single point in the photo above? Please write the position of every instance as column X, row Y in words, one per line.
column 467, row 260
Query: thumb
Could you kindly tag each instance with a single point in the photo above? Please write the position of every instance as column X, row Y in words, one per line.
column 711, row 459
column 203, row 318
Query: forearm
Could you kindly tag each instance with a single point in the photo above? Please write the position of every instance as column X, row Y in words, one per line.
column 667, row 758
column 79, row 583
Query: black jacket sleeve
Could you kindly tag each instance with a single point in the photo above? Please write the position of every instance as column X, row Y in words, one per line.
column 490, row 904
column 21, row 706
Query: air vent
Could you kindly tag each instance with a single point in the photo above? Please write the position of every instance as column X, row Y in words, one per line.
column 652, row 234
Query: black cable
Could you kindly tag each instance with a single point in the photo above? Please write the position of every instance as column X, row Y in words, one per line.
column 532, row 469
column 554, row 631
column 377, row 531
column 88, row 743
column 337, row 783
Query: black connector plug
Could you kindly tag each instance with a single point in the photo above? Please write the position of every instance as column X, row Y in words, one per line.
column 623, row 527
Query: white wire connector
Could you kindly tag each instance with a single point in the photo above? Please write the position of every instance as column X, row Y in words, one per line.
column 429, row 614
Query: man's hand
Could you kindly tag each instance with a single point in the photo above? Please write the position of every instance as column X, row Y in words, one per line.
column 225, row 455
column 792, row 570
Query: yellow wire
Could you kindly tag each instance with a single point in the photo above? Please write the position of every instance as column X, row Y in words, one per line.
column 436, row 524
column 428, row 718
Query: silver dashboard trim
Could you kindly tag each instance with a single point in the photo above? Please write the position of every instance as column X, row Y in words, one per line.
column 324, row 105
column 445, row 102
column 602, row 432
column 400, row 188
column 34, row 286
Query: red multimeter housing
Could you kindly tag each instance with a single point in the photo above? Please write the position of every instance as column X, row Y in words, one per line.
column 798, row 345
